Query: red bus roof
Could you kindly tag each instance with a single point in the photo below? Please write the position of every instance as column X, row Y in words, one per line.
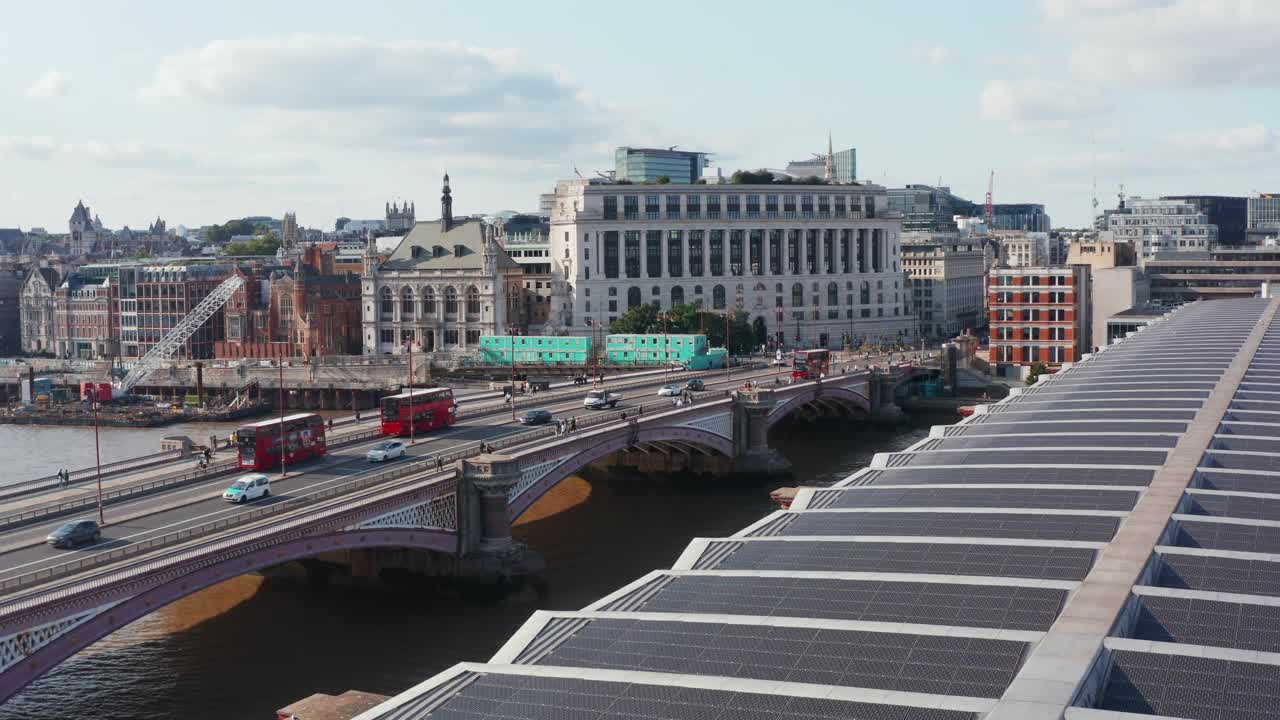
column 419, row 391
column 812, row 352
column 277, row 421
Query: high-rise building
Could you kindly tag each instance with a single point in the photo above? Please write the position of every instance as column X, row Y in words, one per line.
column 1163, row 226
column 1223, row 272
column 1263, row 217
column 1039, row 315
column 929, row 208
column 1229, row 213
column 810, row 264
column 1029, row 217
column 646, row 165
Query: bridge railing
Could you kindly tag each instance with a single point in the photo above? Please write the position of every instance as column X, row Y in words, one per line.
column 50, row 482
column 287, row 504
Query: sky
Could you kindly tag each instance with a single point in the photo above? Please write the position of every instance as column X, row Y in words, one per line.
column 199, row 113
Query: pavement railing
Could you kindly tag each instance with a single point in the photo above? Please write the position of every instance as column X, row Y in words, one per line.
column 111, row 469
column 168, row 482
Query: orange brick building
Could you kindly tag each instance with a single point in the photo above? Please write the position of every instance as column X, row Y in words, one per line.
column 1038, row 314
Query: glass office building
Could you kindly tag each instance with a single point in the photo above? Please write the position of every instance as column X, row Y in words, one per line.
column 646, row 165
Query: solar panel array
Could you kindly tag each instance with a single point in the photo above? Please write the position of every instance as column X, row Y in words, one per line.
column 981, row 606
column 985, row 531
column 495, row 696
column 965, row 666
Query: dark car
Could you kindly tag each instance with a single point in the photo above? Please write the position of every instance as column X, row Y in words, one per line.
column 695, row 384
column 75, row 533
column 536, row 417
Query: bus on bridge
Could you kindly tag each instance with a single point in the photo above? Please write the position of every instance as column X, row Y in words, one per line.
column 259, row 443
column 426, row 409
column 810, row 364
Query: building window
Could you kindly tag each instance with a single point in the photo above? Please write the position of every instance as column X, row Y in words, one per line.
column 631, row 252
column 406, row 303
column 653, row 253
column 735, row 251
column 833, row 294
column 611, row 254
column 695, row 253
column 793, row 252
column 677, row 296
column 753, row 207
column 631, row 207
column 717, row 253
column 633, row 297
column 797, row 295
column 386, row 336
column 673, row 207
column 388, row 304
column 789, row 207
column 771, row 206
column 451, row 336
column 651, row 211
column 451, row 304
column 717, row 297
column 731, row 207
column 473, row 303
column 806, row 206
column 428, row 302
column 610, row 207
column 675, row 248
column 713, row 207
column 692, row 207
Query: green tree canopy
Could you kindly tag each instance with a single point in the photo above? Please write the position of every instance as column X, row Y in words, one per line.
column 748, row 177
column 689, row 319
column 663, row 180
column 261, row 245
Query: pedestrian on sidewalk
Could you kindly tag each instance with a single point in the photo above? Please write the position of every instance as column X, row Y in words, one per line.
column 439, row 464
column 573, row 424
column 62, row 478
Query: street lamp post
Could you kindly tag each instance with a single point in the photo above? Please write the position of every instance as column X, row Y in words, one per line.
column 666, row 347
column 728, row 355
column 97, row 454
column 412, row 416
column 283, row 447
column 512, row 337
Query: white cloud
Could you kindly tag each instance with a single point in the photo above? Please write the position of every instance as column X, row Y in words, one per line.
column 1255, row 138
column 1170, row 43
column 357, row 91
column 169, row 159
column 937, row 54
column 1037, row 105
column 50, row 85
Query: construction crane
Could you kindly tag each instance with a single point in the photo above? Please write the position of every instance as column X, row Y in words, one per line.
column 990, row 211
column 170, row 343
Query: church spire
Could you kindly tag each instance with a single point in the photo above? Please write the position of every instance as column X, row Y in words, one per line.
column 446, row 206
column 830, row 165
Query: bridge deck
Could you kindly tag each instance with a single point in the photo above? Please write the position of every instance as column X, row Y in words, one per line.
column 1104, row 544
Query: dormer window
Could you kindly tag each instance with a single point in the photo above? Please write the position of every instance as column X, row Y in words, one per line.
column 437, row 251
column 459, row 250
column 417, row 251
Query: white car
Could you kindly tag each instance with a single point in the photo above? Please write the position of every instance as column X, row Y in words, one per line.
column 673, row 390
column 249, row 487
column 385, row 451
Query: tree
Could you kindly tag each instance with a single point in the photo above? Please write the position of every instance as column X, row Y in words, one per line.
column 141, row 254
column 1037, row 370
column 663, row 180
column 221, row 234
column 747, row 177
column 261, row 245
column 638, row 320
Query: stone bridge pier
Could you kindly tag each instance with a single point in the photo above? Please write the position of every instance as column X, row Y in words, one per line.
column 752, row 454
column 488, row 555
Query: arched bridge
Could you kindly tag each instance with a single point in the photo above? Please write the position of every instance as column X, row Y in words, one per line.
column 464, row 510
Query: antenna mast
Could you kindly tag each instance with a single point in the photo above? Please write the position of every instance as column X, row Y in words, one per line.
column 990, row 211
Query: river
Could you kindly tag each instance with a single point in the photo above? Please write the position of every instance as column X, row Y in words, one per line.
column 248, row 646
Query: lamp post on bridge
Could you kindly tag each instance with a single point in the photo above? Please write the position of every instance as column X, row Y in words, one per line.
column 97, row 454
column 413, row 417
column 283, row 447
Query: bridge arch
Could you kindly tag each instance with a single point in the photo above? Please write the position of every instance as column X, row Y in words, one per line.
column 616, row 441
column 44, row 659
column 841, row 395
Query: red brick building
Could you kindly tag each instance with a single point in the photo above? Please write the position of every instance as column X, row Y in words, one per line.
column 301, row 311
column 1038, row 314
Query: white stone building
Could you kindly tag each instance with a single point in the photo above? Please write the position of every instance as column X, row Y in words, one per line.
column 443, row 286
column 1020, row 249
column 37, row 309
column 811, row 264
column 947, row 277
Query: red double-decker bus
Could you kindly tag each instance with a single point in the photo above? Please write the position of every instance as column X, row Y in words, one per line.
column 430, row 409
column 810, row 364
column 259, row 443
